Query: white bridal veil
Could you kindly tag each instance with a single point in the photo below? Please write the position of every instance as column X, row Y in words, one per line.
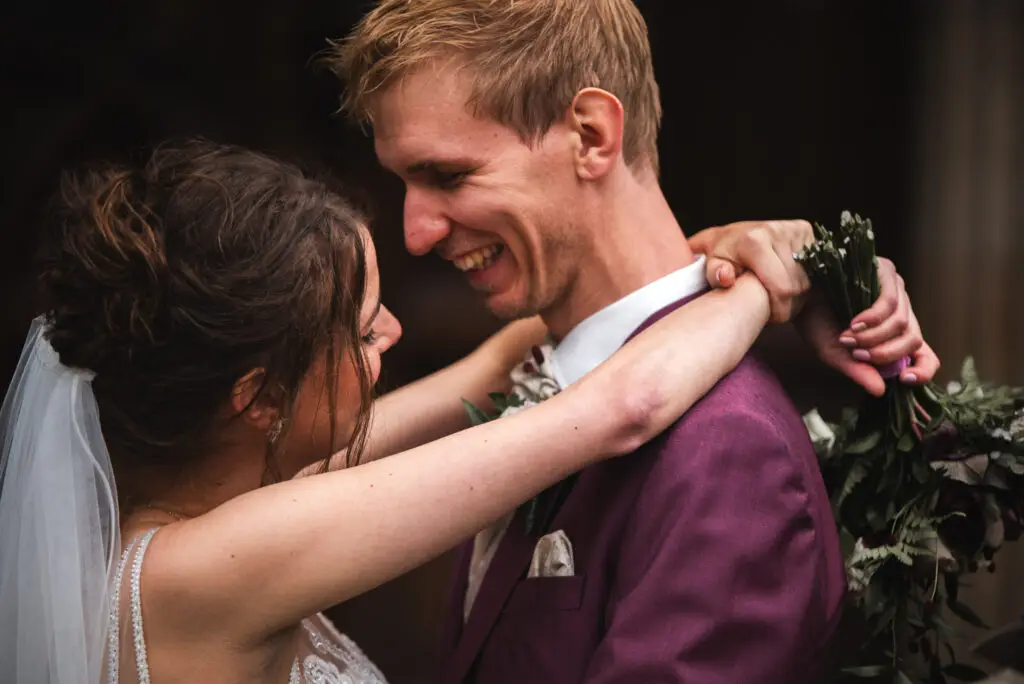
column 59, row 538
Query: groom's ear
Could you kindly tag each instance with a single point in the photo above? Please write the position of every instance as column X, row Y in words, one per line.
column 596, row 120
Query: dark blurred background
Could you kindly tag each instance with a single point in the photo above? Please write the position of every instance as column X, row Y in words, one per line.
column 908, row 112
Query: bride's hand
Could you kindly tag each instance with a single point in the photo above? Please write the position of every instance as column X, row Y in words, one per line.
column 766, row 248
column 884, row 334
column 509, row 346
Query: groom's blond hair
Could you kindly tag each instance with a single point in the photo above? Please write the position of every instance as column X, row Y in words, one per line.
column 527, row 60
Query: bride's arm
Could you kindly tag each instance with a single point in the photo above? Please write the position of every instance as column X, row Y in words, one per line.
column 431, row 407
column 265, row 560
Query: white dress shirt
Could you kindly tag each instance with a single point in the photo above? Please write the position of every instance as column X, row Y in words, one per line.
column 587, row 346
column 593, row 341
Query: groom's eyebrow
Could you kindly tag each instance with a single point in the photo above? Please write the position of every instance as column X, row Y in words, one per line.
column 421, row 167
column 434, row 166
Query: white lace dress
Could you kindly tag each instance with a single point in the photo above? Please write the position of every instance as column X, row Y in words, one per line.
column 324, row 655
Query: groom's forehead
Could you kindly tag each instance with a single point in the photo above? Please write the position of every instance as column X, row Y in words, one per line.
column 430, row 88
column 411, row 127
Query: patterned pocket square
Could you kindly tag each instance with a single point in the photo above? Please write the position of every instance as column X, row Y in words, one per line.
column 552, row 557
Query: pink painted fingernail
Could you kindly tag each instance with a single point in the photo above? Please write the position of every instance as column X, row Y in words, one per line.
column 861, row 355
column 909, row 378
column 718, row 275
column 847, row 341
column 858, row 327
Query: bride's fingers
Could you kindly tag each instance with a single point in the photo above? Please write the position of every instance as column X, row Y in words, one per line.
column 924, row 365
column 801, row 239
column 704, row 241
column 722, row 273
column 888, row 300
column 800, row 282
column 895, row 349
column 896, row 325
column 863, row 374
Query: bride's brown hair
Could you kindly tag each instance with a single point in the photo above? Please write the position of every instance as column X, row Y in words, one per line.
column 173, row 280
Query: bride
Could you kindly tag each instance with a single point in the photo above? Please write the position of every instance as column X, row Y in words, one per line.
column 213, row 328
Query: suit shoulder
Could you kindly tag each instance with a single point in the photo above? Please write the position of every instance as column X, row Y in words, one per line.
column 746, row 420
column 751, row 394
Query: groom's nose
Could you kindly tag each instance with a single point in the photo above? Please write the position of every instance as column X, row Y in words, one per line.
column 425, row 224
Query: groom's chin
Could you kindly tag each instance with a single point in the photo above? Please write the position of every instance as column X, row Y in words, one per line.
column 506, row 306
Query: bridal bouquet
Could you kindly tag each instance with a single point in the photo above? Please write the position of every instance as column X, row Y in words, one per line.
column 926, row 485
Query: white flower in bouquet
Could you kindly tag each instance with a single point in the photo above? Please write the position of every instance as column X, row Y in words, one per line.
column 822, row 435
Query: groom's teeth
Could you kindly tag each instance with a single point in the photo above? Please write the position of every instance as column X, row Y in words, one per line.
column 477, row 259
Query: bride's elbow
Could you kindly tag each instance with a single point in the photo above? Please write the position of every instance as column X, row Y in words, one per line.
column 637, row 415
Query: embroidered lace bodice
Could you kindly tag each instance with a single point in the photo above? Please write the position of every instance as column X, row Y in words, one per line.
column 323, row 655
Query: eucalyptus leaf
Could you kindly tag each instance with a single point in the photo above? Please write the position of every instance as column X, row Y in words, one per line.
column 943, row 628
column 922, row 472
column 884, row 620
column 965, row 613
column 499, row 400
column 964, row 673
column 865, row 444
column 847, row 542
column 476, row 416
column 952, row 586
column 936, row 675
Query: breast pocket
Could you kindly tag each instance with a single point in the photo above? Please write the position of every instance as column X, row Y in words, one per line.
column 546, row 632
column 547, row 594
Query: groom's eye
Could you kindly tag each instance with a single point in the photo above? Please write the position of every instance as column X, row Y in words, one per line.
column 449, row 179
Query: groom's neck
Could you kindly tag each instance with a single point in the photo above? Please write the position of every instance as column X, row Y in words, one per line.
column 636, row 241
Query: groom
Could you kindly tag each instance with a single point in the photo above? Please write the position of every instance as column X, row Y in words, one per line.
column 525, row 133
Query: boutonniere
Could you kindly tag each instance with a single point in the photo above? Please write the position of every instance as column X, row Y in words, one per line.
column 533, row 381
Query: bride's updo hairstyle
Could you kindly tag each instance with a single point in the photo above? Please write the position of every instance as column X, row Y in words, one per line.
column 174, row 280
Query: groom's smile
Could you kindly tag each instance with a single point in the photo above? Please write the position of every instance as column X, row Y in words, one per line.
column 502, row 208
column 487, row 267
column 478, row 259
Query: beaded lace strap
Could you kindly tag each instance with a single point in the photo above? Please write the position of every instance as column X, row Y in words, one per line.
column 141, row 660
column 113, row 627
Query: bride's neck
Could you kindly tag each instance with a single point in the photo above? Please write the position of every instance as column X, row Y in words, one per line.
column 223, row 475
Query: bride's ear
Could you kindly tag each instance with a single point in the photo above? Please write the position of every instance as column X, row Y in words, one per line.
column 254, row 402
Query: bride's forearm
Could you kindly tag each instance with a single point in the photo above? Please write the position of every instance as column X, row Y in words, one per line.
column 348, row 531
column 431, row 407
column 668, row 367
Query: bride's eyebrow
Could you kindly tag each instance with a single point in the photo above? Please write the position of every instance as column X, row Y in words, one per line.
column 376, row 311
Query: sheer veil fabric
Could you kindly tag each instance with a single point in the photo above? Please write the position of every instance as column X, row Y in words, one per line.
column 59, row 536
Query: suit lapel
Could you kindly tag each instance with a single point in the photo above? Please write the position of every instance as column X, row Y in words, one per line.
column 510, row 564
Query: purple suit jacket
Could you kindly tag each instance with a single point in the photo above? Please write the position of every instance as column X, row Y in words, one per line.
column 709, row 556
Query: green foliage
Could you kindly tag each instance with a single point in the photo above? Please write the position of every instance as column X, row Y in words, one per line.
column 915, row 478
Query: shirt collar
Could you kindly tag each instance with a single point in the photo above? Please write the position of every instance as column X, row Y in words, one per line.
column 600, row 335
